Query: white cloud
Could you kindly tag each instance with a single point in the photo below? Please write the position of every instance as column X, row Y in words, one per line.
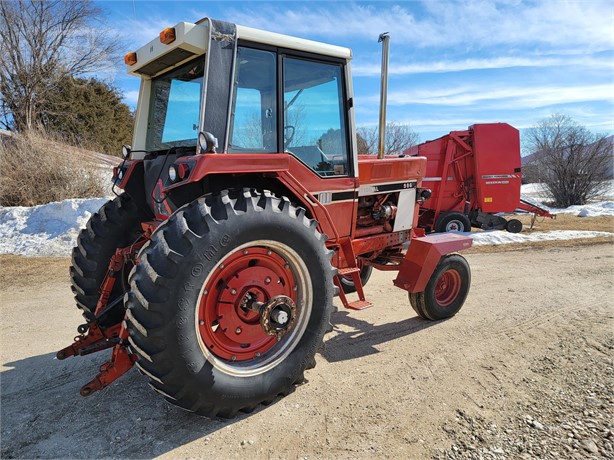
column 468, row 23
column 519, row 97
column 372, row 70
column 131, row 97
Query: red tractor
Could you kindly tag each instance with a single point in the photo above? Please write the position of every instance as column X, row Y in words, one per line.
column 245, row 209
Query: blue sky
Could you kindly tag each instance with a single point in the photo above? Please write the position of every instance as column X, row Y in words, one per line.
column 452, row 63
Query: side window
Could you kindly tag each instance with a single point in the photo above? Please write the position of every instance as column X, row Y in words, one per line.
column 315, row 128
column 253, row 122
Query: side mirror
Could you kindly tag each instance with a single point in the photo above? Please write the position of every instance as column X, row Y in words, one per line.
column 207, row 142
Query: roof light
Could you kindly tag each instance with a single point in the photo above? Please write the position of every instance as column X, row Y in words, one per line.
column 130, row 58
column 167, row 35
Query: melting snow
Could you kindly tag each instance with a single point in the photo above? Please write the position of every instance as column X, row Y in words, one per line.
column 52, row 229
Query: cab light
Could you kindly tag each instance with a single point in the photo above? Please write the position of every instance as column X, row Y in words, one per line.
column 130, row 58
column 167, row 35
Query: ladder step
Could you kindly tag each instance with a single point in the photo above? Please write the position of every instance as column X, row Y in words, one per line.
column 359, row 304
column 347, row 271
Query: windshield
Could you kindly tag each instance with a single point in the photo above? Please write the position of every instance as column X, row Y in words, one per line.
column 174, row 110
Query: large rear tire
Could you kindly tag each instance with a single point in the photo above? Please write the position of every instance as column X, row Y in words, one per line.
column 115, row 225
column 190, row 313
column 446, row 291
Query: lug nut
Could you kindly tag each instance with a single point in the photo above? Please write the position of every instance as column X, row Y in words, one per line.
column 201, row 322
column 238, row 330
column 244, row 251
column 267, row 280
column 233, row 291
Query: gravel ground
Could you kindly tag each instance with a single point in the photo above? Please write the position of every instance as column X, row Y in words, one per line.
column 523, row 371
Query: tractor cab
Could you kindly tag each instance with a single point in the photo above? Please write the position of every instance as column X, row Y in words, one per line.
column 253, row 91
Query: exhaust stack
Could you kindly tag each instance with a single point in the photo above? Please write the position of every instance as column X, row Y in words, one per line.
column 385, row 40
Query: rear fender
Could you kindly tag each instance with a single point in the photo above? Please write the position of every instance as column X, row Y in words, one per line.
column 422, row 257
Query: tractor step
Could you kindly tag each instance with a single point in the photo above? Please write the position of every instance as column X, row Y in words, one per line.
column 348, row 271
column 359, row 305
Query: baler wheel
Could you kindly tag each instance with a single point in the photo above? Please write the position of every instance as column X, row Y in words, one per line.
column 446, row 291
column 453, row 221
column 115, row 225
column 230, row 302
column 514, row 226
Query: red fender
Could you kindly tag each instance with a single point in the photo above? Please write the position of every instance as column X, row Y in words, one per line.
column 423, row 256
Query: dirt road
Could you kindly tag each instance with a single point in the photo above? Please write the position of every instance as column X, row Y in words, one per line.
column 523, row 371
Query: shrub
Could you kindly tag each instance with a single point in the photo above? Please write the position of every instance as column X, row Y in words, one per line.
column 36, row 169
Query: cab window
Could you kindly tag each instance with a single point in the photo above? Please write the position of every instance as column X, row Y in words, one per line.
column 314, row 116
column 253, row 123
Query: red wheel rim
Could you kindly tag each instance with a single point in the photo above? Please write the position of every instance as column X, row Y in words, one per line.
column 447, row 288
column 228, row 329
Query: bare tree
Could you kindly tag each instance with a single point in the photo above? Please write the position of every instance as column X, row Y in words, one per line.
column 399, row 137
column 40, row 43
column 571, row 161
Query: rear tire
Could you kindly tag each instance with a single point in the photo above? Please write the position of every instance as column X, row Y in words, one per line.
column 446, row 291
column 187, row 317
column 453, row 221
column 115, row 225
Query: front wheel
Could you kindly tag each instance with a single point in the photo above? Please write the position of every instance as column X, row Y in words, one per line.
column 230, row 302
column 446, row 291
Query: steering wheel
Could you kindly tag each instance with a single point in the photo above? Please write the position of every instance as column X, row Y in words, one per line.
column 288, row 136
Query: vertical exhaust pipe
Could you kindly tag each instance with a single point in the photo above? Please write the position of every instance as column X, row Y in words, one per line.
column 385, row 40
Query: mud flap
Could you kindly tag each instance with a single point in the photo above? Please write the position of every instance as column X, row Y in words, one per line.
column 422, row 257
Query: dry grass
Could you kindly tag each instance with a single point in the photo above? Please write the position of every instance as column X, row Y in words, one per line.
column 35, row 169
column 32, row 271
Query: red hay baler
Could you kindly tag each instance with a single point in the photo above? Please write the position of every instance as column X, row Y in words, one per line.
column 473, row 176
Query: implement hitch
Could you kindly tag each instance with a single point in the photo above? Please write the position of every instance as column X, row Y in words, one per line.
column 93, row 337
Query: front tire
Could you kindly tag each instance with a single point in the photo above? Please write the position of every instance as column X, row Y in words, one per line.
column 446, row 291
column 190, row 311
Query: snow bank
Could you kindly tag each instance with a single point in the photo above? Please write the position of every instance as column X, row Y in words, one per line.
column 45, row 230
column 496, row 237
column 52, row 229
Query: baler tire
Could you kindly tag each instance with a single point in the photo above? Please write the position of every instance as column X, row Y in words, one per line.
column 115, row 225
column 513, row 226
column 452, row 221
column 181, row 306
column 348, row 285
column 446, row 290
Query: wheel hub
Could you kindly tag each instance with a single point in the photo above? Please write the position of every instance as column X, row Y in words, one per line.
column 248, row 304
column 278, row 316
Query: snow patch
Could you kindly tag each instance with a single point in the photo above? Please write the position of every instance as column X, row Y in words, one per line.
column 45, row 230
column 496, row 237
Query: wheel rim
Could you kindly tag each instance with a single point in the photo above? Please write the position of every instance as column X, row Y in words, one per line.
column 455, row 226
column 447, row 287
column 231, row 335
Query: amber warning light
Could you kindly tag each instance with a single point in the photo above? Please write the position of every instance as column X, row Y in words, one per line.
column 167, row 35
column 130, row 58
